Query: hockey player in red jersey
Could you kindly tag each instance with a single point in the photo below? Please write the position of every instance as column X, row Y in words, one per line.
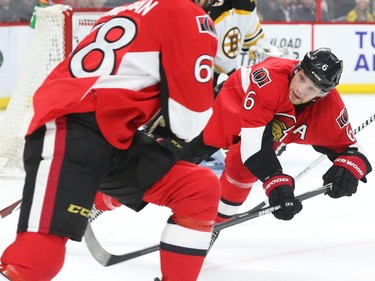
column 134, row 62
column 282, row 101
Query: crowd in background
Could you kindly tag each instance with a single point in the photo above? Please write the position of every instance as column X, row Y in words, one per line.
column 306, row 10
column 268, row 10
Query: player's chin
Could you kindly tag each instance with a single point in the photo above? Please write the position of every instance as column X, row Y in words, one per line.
column 294, row 99
column 202, row 3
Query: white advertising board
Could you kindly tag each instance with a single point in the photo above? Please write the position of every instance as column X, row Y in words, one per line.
column 14, row 46
column 353, row 43
column 297, row 37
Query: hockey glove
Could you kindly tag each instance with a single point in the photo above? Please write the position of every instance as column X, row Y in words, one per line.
column 157, row 131
column 168, row 140
column 280, row 191
column 346, row 171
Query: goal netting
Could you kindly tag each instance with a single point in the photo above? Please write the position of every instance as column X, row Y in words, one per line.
column 56, row 33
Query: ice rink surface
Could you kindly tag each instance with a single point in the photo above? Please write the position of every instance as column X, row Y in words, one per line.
column 331, row 239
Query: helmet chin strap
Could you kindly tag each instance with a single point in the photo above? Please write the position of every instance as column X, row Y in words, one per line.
column 207, row 4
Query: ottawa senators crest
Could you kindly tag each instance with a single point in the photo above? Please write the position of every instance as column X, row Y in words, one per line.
column 206, row 25
column 261, row 77
column 343, row 118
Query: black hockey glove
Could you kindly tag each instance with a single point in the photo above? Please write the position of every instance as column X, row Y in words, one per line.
column 280, row 191
column 168, row 140
column 156, row 130
column 346, row 171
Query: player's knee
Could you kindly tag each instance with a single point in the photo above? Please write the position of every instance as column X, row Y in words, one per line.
column 235, row 169
column 235, row 181
column 203, row 197
column 209, row 190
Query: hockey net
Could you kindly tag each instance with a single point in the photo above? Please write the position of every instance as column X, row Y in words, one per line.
column 56, row 33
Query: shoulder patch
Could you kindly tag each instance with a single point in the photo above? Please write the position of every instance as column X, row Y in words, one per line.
column 261, row 77
column 343, row 119
column 206, row 25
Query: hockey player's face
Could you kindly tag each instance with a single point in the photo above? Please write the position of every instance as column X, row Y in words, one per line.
column 302, row 89
column 202, row 3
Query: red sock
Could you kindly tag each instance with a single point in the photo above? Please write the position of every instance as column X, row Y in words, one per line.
column 36, row 256
column 179, row 267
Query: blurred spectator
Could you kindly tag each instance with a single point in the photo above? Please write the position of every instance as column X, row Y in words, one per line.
column 82, row 4
column 307, row 12
column 7, row 13
column 98, row 3
column 281, row 11
column 24, row 9
column 339, row 9
column 264, row 7
column 324, row 8
column 259, row 13
column 361, row 12
column 115, row 3
column 69, row 3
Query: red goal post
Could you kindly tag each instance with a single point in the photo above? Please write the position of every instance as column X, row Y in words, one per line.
column 58, row 30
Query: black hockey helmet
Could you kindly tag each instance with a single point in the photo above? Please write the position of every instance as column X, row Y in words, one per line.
column 323, row 68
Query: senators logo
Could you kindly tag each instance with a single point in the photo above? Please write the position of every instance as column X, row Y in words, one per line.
column 281, row 124
column 205, row 25
column 343, row 118
column 261, row 77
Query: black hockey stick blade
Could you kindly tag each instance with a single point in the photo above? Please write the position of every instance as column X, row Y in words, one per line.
column 10, row 209
column 106, row 259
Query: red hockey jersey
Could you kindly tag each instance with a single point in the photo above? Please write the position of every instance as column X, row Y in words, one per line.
column 116, row 71
column 254, row 96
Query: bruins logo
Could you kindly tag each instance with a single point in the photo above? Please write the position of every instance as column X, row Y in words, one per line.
column 231, row 42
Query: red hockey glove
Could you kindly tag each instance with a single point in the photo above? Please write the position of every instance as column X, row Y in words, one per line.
column 280, row 191
column 104, row 202
column 345, row 173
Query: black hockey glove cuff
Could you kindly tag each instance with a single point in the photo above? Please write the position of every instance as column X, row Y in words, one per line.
column 280, row 191
column 168, row 140
column 346, row 171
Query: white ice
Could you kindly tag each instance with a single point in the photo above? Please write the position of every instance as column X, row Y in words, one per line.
column 331, row 239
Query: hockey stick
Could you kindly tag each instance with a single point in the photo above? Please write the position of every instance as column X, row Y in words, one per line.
column 245, row 216
column 10, row 209
column 106, row 259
